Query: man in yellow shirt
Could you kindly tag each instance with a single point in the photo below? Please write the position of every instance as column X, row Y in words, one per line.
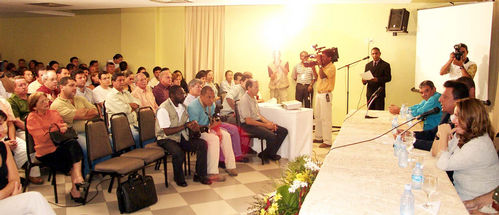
column 323, row 101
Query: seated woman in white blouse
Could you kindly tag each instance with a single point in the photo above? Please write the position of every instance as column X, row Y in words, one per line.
column 470, row 152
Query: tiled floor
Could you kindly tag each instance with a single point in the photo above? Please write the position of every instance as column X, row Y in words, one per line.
column 230, row 197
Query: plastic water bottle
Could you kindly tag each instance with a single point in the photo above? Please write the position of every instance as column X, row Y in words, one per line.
column 395, row 123
column 396, row 146
column 417, row 177
column 407, row 201
column 403, row 162
column 403, row 111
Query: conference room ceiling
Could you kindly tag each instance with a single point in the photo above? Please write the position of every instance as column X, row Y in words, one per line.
column 65, row 7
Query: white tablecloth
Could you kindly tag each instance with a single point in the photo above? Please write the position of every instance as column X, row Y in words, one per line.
column 366, row 179
column 299, row 124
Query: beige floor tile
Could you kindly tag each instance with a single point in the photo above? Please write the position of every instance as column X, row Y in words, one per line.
column 249, row 177
column 91, row 209
column 201, row 196
column 270, row 165
column 216, row 207
column 266, row 186
column 229, row 180
column 240, row 204
column 192, row 186
column 234, row 191
column 169, row 201
column 184, row 210
column 109, row 197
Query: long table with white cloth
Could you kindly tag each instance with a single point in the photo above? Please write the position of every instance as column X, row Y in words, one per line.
column 299, row 124
column 366, row 179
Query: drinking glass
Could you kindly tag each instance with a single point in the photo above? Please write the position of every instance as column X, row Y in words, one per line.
column 429, row 187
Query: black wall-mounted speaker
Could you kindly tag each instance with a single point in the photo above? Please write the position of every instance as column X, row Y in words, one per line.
column 398, row 20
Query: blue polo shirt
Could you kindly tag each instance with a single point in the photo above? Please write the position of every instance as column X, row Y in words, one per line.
column 433, row 120
column 198, row 113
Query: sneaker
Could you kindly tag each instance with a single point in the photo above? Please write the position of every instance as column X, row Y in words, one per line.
column 216, row 177
column 324, row 145
column 232, row 172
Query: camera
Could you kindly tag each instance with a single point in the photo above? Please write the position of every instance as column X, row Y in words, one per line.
column 457, row 51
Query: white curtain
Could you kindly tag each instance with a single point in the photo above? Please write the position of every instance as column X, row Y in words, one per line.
column 204, row 44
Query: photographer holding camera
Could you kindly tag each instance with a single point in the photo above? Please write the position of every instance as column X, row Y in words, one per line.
column 459, row 64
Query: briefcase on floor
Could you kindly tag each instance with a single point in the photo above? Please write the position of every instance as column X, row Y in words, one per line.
column 136, row 193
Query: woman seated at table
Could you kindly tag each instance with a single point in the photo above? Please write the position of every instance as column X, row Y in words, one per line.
column 64, row 158
column 12, row 200
column 470, row 152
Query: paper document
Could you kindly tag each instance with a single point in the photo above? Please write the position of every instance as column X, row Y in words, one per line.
column 367, row 75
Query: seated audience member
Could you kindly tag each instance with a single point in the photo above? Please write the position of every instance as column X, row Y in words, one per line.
column 202, row 110
column 16, row 145
column 173, row 136
column 183, row 83
column 211, row 83
column 253, row 122
column 227, row 83
column 129, row 81
column 452, row 92
column 176, row 79
column 75, row 61
column 123, row 67
column 430, row 101
column 141, row 69
column 470, row 152
column 21, row 63
column 11, row 70
column 74, row 110
column 144, row 93
column 71, row 68
column 7, row 83
column 62, row 72
column 81, row 90
column 101, row 91
column 160, row 91
column 32, row 65
column 117, row 59
column 469, row 83
column 94, row 80
column 12, row 198
column 67, row 157
column 201, row 75
column 28, row 76
column 110, row 68
column 35, row 85
column 40, row 66
column 234, row 94
column 120, row 100
column 49, row 86
column 194, row 91
column 19, row 103
column 154, row 80
column 53, row 65
column 475, row 205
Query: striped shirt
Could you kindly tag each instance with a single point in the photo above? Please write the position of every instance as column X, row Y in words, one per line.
column 304, row 75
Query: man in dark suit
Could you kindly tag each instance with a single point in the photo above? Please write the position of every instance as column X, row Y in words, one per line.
column 382, row 74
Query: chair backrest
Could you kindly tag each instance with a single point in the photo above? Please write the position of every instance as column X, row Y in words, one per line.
column 104, row 114
column 236, row 113
column 98, row 144
column 30, row 142
column 147, row 124
column 121, row 132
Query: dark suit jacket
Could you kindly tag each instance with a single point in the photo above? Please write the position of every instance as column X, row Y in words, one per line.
column 424, row 139
column 382, row 71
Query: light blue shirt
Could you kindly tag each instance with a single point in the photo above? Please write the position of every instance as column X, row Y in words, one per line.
column 198, row 112
column 432, row 120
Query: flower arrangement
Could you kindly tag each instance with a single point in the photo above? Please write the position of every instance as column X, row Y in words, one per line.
column 291, row 189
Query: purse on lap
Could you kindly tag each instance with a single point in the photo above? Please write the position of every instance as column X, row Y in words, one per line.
column 136, row 193
column 59, row 138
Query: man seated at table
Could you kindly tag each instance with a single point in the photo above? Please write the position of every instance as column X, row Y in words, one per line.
column 253, row 122
column 430, row 101
column 453, row 91
column 235, row 93
column 173, row 136
column 202, row 110
column 469, row 83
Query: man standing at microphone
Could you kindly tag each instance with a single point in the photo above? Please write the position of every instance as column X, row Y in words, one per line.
column 381, row 71
column 325, row 87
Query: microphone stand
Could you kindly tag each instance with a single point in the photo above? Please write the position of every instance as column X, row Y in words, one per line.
column 348, row 76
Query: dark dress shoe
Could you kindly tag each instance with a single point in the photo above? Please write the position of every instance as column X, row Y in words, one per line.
column 202, row 180
column 181, row 184
column 318, row 141
column 275, row 157
column 243, row 160
column 263, row 157
column 77, row 199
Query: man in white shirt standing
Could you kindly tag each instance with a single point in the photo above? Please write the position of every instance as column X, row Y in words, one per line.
column 100, row 92
column 120, row 100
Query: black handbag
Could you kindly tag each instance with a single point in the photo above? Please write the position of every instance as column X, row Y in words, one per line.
column 59, row 138
column 136, row 193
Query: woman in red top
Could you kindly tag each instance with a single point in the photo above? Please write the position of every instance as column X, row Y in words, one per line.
column 66, row 157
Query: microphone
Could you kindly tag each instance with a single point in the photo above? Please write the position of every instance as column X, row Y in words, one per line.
column 415, row 90
column 428, row 113
column 377, row 91
column 486, row 102
column 365, row 58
